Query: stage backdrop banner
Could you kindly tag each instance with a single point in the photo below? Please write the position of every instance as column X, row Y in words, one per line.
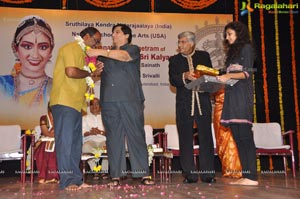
column 156, row 35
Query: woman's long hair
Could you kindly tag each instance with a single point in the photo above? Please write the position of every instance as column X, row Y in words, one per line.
column 242, row 37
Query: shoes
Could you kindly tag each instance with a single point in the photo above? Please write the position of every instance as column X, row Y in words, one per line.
column 189, row 181
column 147, row 181
column 209, row 180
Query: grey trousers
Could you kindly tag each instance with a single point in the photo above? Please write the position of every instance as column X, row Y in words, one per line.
column 122, row 119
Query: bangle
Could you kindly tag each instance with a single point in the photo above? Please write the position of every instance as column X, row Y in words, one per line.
column 107, row 54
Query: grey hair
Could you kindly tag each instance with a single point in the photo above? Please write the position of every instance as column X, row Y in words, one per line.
column 189, row 35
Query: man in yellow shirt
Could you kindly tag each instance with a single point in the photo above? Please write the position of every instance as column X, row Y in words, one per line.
column 67, row 99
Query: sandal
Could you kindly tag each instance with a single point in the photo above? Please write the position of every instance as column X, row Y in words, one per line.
column 41, row 181
column 147, row 181
column 104, row 176
column 115, row 182
column 72, row 187
column 51, row 181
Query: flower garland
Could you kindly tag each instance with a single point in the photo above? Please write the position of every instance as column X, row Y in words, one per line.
column 90, row 67
column 264, row 65
column 236, row 10
column 28, row 152
column 294, row 75
column 281, row 111
column 152, row 5
column 30, row 132
column 150, row 153
column 264, row 71
column 64, row 4
column 249, row 21
column 97, row 153
column 16, row 69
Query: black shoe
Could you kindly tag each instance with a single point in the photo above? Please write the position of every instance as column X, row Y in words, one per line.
column 209, row 180
column 188, row 181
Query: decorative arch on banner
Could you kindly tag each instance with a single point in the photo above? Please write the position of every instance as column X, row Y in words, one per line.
column 108, row 3
column 17, row 1
column 194, row 4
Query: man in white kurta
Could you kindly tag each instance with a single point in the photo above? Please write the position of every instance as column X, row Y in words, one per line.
column 94, row 134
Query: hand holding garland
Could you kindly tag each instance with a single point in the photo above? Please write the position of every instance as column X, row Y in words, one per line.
column 99, row 68
column 92, row 69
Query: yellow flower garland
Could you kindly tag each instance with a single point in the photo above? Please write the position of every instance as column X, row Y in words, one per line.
column 90, row 67
column 30, row 132
column 97, row 153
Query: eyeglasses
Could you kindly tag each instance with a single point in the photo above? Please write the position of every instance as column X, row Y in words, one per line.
column 97, row 41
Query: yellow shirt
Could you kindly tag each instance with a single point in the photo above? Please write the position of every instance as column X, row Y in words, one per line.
column 68, row 91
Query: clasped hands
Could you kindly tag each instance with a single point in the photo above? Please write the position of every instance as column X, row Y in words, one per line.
column 96, row 131
column 99, row 68
column 99, row 65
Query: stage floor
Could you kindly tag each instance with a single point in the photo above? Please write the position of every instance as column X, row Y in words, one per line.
column 273, row 186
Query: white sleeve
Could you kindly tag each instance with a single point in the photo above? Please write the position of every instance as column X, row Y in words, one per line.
column 85, row 126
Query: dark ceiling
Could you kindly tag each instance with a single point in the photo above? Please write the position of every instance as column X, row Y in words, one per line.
column 221, row 6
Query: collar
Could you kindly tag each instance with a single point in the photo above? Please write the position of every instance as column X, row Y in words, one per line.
column 189, row 55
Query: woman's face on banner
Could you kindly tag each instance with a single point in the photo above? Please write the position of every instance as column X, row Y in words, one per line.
column 34, row 51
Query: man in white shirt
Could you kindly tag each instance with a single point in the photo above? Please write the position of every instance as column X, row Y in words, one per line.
column 94, row 139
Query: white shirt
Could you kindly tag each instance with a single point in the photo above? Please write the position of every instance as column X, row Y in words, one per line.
column 90, row 121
